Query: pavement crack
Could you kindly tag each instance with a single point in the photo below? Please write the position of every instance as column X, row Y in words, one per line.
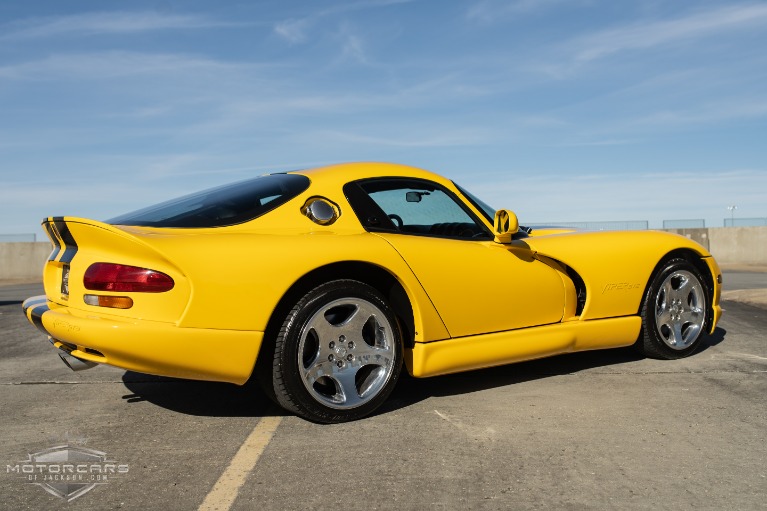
column 474, row 432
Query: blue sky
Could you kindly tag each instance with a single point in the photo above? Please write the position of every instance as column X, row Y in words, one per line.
column 562, row 110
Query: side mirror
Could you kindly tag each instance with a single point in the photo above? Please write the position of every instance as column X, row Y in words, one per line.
column 505, row 226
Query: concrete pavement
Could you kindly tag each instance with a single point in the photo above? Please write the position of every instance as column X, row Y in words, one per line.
column 591, row 430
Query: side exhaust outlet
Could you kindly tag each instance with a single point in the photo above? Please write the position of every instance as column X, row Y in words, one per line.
column 74, row 363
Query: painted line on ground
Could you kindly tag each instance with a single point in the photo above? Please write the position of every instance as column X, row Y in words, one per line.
column 225, row 491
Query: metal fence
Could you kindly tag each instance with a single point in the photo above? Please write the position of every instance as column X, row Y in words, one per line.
column 684, row 224
column 630, row 225
column 745, row 222
column 17, row 237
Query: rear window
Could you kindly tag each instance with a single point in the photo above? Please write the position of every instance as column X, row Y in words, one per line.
column 218, row 207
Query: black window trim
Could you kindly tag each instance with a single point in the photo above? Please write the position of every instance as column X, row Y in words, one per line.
column 467, row 195
column 366, row 208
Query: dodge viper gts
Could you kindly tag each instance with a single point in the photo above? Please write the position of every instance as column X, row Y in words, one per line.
column 323, row 284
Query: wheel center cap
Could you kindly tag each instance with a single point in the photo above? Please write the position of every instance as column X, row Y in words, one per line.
column 340, row 350
column 676, row 309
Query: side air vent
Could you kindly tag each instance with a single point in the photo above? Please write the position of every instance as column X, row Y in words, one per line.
column 580, row 289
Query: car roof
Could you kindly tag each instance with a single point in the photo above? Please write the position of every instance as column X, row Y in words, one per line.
column 345, row 172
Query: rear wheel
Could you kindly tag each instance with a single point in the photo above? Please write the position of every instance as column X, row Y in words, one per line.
column 338, row 354
column 675, row 312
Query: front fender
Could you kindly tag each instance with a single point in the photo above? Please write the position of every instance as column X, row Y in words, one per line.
column 615, row 266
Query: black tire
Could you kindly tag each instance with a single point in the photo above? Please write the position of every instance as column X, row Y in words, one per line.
column 338, row 354
column 675, row 311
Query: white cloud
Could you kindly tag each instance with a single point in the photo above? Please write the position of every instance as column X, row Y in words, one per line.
column 293, row 30
column 488, row 11
column 423, row 136
column 296, row 30
column 117, row 22
column 362, row 5
column 739, row 108
column 108, row 64
column 655, row 33
column 352, row 46
column 599, row 143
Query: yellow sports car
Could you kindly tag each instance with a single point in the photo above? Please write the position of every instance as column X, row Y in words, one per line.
column 323, row 283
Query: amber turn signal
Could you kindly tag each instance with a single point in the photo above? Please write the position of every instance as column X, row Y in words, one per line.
column 114, row 302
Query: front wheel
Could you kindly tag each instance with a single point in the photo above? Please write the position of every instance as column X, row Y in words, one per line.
column 675, row 312
column 338, row 354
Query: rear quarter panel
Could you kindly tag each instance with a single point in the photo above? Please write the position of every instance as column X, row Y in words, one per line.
column 238, row 278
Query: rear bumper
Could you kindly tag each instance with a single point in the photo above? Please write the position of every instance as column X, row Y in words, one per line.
column 147, row 346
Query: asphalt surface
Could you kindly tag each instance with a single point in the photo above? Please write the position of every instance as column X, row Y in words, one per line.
column 591, row 430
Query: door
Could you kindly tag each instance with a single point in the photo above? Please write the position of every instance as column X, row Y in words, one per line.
column 477, row 286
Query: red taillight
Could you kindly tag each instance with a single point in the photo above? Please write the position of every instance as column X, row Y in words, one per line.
column 119, row 277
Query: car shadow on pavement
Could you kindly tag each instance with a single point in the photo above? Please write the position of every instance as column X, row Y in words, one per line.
column 201, row 398
column 711, row 340
column 411, row 390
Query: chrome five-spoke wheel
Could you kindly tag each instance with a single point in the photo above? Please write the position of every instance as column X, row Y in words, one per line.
column 680, row 310
column 338, row 354
column 346, row 353
column 675, row 311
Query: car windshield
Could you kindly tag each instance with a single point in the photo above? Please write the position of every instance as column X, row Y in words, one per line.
column 486, row 210
column 230, row 204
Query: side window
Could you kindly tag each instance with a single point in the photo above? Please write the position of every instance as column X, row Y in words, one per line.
column 415, row 207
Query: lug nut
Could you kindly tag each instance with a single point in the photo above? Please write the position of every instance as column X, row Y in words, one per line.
column 349, row 357
column 331, row 358
column 342, row 338
column 332, row 345
column 340, row 364
column 351, row 345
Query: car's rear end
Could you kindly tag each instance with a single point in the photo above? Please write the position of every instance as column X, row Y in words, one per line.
column 149, row 291
column 112, row 297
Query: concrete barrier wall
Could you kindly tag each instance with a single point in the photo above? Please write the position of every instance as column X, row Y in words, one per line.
column 700, row 235
column 739, row 245
column 746, row 246
column 23, row 260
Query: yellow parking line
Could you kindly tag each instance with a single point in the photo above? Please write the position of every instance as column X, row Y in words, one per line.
column 224, row 492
